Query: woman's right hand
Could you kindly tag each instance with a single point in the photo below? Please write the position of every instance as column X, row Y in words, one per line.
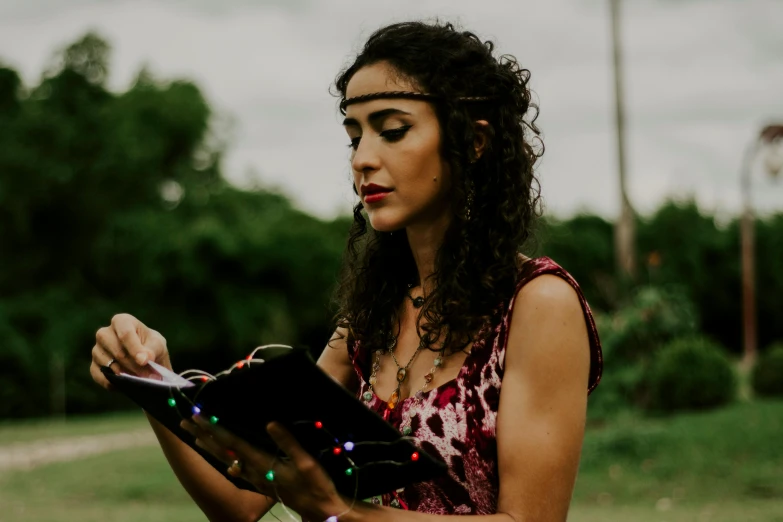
column 131, row 344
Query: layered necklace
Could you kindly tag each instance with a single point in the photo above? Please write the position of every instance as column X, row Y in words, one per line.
column 402, row 374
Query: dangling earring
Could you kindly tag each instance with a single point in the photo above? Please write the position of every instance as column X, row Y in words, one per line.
column 469, row 200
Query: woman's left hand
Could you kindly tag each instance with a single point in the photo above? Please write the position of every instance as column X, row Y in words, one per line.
column 300, row 481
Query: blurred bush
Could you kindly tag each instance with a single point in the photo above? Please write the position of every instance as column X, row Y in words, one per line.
column 691, row 373
column 680, row 246
column 630, row 338
column 767, row 377
column 114, row 202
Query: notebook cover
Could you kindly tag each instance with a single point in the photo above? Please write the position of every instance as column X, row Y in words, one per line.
column 291, row 389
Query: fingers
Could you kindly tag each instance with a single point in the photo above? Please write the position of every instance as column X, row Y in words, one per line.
column 223, row 437
column 290, row 446
column 109, row 346
column 242, row 450
column 205, row 441
column 97, row 376
column 126, row 328
column 254, row 464
column 101, row 357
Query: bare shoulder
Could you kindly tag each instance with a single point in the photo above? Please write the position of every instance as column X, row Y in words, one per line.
column 548, row 331
column 548, row 293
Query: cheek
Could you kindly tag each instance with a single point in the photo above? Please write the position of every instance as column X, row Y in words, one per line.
column 357, row 181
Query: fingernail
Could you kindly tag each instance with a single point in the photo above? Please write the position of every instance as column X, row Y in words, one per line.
column 141, row 358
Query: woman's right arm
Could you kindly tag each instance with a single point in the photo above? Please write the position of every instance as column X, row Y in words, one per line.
column 132, row 344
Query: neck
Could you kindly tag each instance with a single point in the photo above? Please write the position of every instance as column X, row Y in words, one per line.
column 425, row 240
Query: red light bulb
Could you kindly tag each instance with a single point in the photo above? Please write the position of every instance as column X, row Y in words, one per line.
column 415, row 456
column 319, row 424
column 337, row 450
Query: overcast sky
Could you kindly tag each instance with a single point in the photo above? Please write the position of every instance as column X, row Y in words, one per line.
column 702, row 76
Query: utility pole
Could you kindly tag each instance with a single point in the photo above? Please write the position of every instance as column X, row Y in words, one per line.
column 769, row 136
column 624, row 232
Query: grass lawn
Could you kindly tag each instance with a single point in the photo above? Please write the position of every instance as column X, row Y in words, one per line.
column 723, row 466
column 39, row 429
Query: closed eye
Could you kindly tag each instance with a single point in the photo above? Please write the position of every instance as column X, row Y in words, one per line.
column 391, row 135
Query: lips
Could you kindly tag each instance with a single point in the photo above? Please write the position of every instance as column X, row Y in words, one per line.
column 372, row 188
column 372, row 192
column 377, row 196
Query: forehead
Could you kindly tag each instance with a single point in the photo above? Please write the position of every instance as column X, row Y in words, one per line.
column 381, row 77
column 378, row 77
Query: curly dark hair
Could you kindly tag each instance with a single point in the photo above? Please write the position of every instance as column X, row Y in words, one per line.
column 477, row 266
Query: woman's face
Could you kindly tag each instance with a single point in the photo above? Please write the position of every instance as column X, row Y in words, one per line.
column 398, row 170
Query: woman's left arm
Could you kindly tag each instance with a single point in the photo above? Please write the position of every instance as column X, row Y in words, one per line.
column 543, row 406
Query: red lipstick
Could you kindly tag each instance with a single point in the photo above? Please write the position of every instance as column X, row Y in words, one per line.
column 373, row 192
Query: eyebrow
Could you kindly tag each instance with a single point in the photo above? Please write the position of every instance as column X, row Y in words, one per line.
column 374, row 117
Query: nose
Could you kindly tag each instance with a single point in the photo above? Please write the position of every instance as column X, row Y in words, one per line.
column 365, row 158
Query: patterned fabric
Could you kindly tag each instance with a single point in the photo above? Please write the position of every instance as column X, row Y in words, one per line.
column 460, row 415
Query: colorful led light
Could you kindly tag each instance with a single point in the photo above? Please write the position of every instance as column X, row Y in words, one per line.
column 319, row 424
column 332, row 519
column 172, row 402
column 270, row 475
column 337, row 450
column 196, row 410
column 415, row 456
column 240, row 364
column 349, row 471
column 348, row 446
column 213, row 420
column 204, row 378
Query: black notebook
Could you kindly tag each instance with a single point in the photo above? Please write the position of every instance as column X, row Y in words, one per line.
column 363, row 454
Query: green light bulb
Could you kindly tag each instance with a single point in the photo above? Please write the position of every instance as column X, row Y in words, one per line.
column 213, row 420
column 349, row 471
column 270, row 475
column 172, row 402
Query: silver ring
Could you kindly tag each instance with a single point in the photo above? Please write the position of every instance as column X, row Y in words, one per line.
column 108, row 364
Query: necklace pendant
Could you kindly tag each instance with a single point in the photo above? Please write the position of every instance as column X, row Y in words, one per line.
column 401, row 374
column 393, row 400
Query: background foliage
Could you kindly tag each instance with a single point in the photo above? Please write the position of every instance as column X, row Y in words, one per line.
column 114, row 202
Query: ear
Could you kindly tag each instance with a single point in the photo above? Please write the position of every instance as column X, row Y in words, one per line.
column 482, row 137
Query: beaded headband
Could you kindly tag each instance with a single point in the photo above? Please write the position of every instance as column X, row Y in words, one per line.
column 409, row 95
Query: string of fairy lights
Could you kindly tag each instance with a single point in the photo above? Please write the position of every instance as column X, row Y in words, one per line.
column 338, row 448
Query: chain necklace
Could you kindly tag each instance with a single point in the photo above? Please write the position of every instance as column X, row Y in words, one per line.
column 405, row 426
column 402, row 373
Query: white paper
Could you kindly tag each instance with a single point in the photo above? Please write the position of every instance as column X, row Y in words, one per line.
column 166, row 377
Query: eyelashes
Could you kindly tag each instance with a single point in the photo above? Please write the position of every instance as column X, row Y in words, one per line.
column 391, row 135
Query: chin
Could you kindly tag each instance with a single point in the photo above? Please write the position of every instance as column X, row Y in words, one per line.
column 385, row 220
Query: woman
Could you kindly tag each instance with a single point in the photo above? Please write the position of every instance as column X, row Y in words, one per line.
column 482, row 355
